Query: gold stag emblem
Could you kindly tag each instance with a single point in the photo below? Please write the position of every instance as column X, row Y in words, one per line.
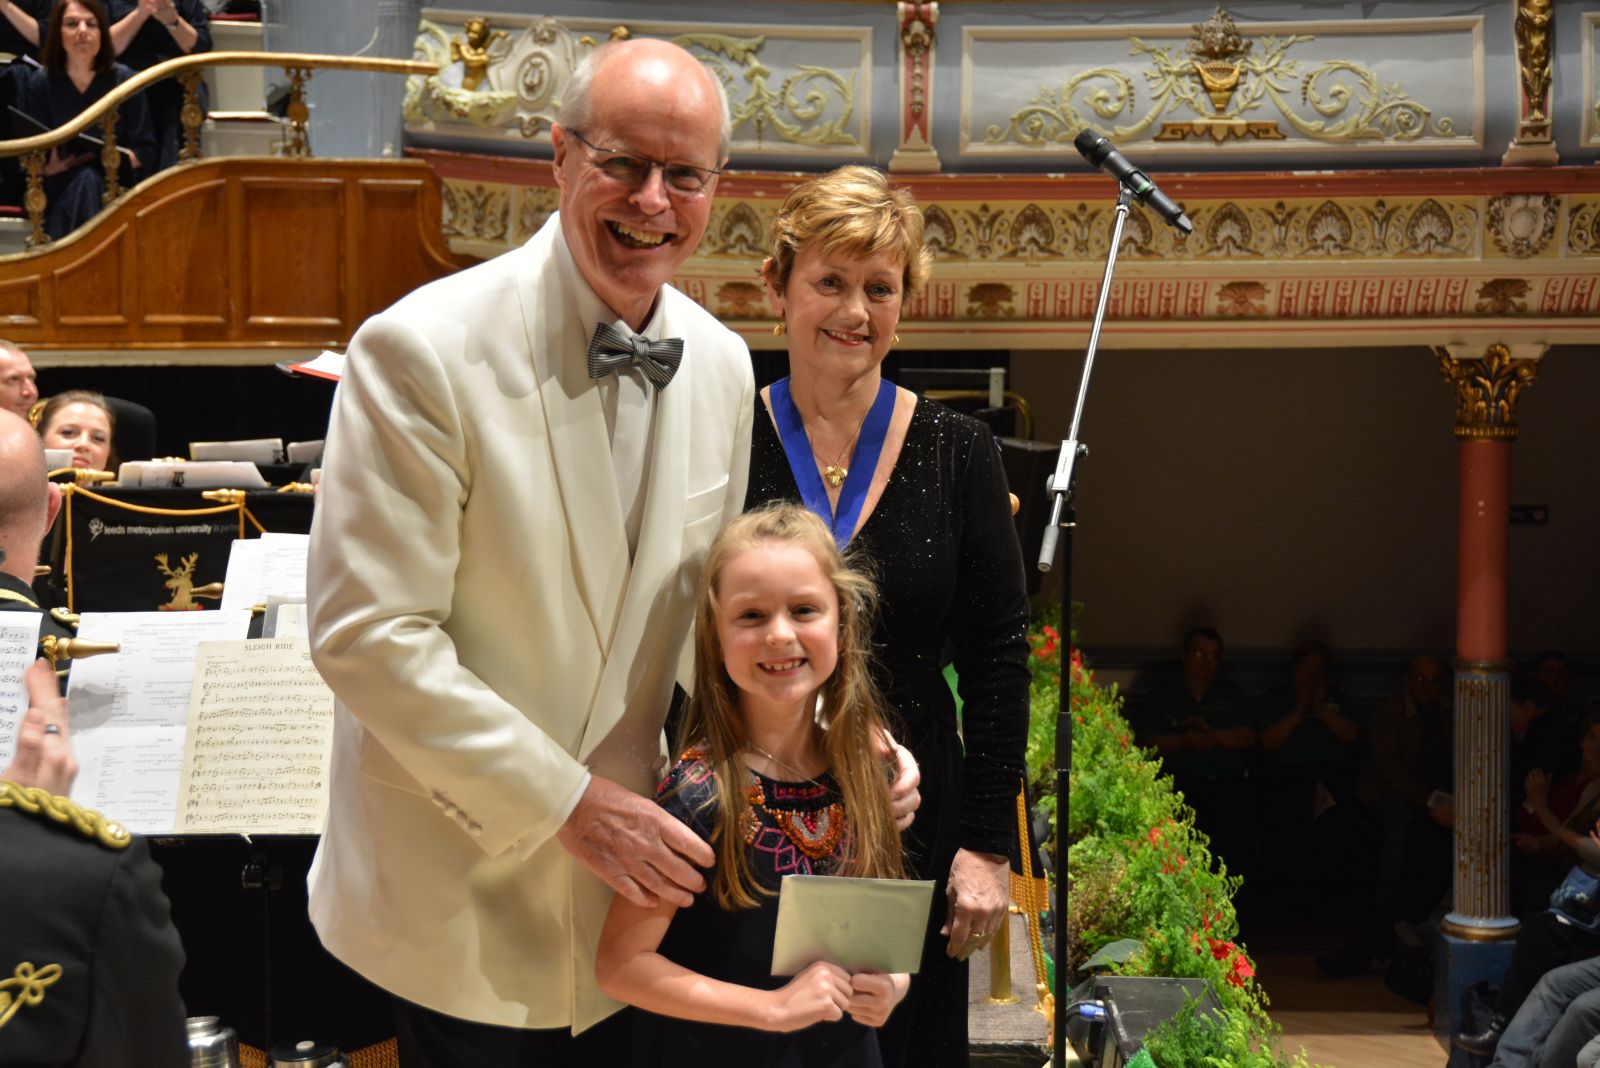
column 180, row 582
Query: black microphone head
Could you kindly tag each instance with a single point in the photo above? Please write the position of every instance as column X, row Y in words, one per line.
column 1092, row 147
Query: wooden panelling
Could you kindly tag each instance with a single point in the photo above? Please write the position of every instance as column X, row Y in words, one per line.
column 295, row 252
column 234, row 253
column 92, row 291
column 19, row 302
column 182, row 282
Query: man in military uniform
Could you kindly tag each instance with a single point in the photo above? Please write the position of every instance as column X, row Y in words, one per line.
column 89, row 959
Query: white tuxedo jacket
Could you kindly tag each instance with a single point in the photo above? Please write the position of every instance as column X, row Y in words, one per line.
column 474, row 609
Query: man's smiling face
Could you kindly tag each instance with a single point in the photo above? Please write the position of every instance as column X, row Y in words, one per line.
column 628, row 241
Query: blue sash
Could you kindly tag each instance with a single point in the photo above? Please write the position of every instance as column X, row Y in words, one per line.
column 863, row 459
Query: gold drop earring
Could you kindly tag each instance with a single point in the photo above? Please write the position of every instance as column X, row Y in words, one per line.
column 778, row 328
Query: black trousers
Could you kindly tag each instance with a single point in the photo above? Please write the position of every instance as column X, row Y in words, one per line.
column 429, row 1039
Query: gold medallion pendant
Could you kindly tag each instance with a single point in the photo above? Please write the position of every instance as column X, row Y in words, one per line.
column 835, row 475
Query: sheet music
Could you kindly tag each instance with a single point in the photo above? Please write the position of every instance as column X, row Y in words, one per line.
column 286, row 620
column 283, row 567
column 255, row 450
column 241, row 586
column 325, row 365
column 260, row 738
column 130, row 709
column 19, row 641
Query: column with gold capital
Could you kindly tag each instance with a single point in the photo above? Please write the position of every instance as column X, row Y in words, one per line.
column 1486, row 393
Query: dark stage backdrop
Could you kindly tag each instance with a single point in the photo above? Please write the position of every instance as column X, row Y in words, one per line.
column 228, row 403
column 209, row 403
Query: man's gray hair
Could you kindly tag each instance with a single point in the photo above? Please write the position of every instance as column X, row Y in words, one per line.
column 574, row 113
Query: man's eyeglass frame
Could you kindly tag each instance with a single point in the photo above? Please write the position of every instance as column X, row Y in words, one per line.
column 633, row 170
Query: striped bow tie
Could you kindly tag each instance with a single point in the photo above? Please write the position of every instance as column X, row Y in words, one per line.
column 612, row 350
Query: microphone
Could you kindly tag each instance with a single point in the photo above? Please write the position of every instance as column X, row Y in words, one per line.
column 1103, row 154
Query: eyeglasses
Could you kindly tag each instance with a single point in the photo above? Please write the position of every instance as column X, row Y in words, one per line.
column 633, row 171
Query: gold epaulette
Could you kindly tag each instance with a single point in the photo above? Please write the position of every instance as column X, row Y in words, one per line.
column 62, row 810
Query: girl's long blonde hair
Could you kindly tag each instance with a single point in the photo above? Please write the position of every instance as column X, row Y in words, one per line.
column 852, row 714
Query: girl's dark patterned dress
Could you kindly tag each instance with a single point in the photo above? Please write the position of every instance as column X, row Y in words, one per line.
column 789, row 828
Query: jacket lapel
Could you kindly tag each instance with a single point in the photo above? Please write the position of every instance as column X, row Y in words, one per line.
column 655, row 612
column 575, row 426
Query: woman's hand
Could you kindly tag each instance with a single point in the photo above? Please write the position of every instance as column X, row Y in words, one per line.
column 819, row 994
column 1537, row 788
column 55, row 163
column 162, row 11
column 980, row 885
column 873, row 996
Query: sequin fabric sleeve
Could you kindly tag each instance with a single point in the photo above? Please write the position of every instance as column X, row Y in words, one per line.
column 989, row 619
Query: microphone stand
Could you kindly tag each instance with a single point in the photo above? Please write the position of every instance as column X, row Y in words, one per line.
column 1063, row 517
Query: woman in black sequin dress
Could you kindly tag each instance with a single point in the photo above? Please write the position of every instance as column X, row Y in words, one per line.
column 931, row 511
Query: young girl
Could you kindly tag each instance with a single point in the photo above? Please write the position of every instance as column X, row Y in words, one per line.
column 777, row 750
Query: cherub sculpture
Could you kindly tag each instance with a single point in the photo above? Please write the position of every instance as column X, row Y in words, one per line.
column 473, row 51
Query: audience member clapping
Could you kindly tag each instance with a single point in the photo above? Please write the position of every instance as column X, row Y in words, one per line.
column 79, row 69
column 1205, row 730
column 147, row 32
column 82, row 422
column 1407, row 776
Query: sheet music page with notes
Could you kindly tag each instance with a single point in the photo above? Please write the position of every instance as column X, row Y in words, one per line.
column 130, row 710
column 260, row 739
column 19, row 640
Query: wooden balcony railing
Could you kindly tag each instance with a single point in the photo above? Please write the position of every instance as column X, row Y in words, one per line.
column 188, row 70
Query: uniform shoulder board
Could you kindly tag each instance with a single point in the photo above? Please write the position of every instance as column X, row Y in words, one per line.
column 64, row 812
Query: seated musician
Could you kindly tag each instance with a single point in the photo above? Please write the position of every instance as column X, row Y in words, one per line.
column 28, row 506
column 81, row 422
column 89, row 959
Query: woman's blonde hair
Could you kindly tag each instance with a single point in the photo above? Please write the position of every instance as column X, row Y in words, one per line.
column 852, row 714
column 854, row 210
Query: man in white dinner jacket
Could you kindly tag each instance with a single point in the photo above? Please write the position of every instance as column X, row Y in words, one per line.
column 502, row 568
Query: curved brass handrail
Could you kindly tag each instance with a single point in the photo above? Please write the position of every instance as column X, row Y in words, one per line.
column 288, row 60
column 187, row 69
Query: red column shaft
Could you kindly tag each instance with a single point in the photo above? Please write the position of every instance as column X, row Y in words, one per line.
column 1483, row 554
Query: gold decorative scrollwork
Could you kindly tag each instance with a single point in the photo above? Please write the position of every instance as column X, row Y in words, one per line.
column 796, row 111
column 1583, row 228
column 1487, row 391
column 499, row 81
column 25, row 988
column 1348, row 101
